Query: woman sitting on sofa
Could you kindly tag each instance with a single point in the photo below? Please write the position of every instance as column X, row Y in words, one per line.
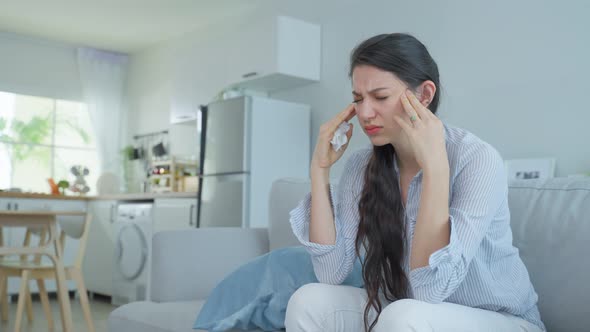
column 426, row 208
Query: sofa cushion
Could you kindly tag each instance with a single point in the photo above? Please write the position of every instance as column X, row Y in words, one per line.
column 285, row 194
column 155, row 317
column 173, row 279
column 551, row 226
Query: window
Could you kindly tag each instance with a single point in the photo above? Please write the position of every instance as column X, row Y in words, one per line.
column 42, row 138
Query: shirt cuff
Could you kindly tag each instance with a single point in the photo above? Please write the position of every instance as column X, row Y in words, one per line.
column 299, row 219
column 444, row 257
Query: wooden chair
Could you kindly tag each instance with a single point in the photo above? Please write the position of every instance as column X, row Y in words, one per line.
column 35, row 269
column 4, row 280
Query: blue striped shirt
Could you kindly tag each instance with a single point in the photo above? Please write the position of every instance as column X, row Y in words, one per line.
column 479, row 267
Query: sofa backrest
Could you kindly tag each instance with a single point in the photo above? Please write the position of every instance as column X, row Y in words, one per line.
column 550, row 222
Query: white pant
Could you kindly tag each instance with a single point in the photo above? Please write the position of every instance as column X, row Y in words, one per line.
column 326, row 308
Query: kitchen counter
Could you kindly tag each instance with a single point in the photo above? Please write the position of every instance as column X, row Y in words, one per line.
column 143, row 196
column 10, row 194
column 119, row 196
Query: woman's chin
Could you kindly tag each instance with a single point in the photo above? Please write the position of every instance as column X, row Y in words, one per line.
column 379, row 140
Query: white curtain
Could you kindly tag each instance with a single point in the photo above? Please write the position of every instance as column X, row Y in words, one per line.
column 103, row 76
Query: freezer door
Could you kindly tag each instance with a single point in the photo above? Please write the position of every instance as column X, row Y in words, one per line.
column 226, row 137
column 224, row 201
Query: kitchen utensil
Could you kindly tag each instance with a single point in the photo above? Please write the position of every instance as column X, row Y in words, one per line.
column 159, row 150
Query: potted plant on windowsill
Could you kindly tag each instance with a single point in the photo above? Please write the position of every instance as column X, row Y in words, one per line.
column 63, row 185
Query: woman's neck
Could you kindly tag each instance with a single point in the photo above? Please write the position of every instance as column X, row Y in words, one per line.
column 404, row 155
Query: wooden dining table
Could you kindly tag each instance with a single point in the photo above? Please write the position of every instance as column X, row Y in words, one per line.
column 50, row 248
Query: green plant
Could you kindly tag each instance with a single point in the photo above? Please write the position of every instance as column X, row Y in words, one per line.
column 74, row 127
column 63, row 185
column 127, row 152
column 2, row 128
column 25, row 135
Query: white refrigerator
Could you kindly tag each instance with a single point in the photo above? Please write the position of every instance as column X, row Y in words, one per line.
column 246, row 143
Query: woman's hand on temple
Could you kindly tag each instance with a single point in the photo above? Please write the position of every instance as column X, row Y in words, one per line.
column 425, row 132
column 324, row 155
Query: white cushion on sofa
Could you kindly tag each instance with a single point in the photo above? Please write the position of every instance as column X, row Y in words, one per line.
column 550, row 222
column 285, row 194
column 155, row 317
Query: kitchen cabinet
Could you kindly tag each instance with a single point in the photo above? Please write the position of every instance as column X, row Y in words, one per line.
column 4, row 204
column 274, row 53
column 98, row 263
column 174, row 213
column 14, row 236
column 15, row 204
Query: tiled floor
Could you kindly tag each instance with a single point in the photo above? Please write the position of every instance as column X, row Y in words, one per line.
column 100, row 306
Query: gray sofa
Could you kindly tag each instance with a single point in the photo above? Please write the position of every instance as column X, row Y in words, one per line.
column 550, row 222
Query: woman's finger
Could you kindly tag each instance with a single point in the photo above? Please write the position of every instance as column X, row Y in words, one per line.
column 404, row 124
column 349, row 132
column 329, row 127
column 410, row 110
column 420, row 109
column 346, row 115
column 351, row 112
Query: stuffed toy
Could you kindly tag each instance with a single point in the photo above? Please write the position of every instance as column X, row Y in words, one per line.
column 79, row 186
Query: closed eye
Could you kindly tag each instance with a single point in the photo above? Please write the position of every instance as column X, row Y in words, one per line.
column 356, row 101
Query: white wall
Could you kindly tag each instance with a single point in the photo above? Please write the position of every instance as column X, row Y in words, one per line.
column 148, row 91
column 160, row 80
column 37, row 67
column 513, row 72
column 516, row 73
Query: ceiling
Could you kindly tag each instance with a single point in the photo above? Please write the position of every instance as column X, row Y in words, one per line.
column 118, row 25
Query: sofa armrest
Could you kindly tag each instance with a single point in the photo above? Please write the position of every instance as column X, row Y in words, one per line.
column 188, row 264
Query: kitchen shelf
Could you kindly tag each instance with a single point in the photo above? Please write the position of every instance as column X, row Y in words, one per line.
column 160, row 176
column 176, row 162
column 175, row 179
column 158, row 190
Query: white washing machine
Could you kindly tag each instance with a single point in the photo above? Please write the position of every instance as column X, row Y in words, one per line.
column 133, row 240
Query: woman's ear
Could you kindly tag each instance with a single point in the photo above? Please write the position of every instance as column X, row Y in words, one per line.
column 428, row 89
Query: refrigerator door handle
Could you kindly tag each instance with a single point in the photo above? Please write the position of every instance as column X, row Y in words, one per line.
column 190, row 215
column 227, row 176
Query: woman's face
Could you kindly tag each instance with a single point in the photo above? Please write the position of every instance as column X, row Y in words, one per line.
column 377, row 95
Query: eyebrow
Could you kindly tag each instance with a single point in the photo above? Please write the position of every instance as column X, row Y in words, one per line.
column 372, row 91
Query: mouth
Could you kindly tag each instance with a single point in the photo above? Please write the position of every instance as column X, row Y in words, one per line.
column 372, row 130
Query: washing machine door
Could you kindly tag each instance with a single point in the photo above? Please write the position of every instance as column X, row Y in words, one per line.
column 131, row 252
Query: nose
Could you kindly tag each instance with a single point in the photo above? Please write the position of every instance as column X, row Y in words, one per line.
column 364, row 111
